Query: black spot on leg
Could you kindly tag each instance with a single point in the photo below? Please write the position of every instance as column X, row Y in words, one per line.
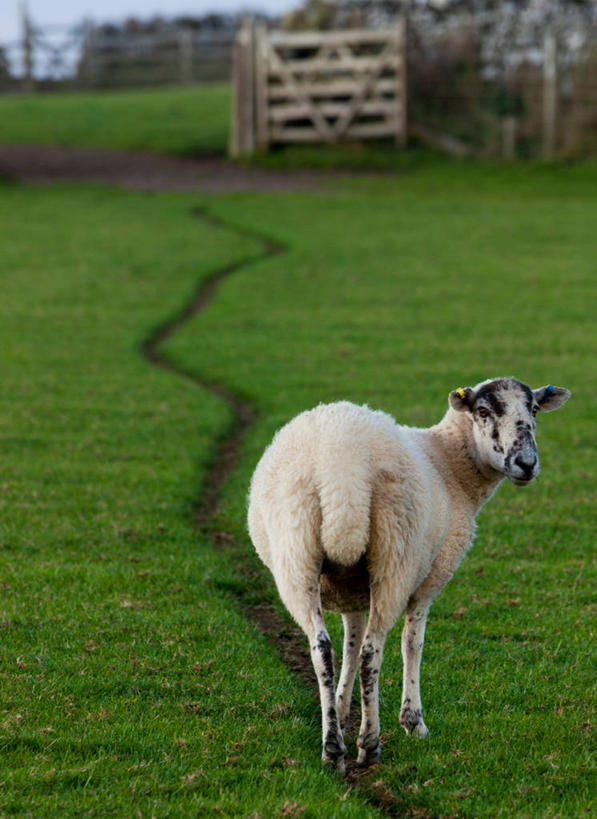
column 368, row 674
column 333, row 747
column 324, row 644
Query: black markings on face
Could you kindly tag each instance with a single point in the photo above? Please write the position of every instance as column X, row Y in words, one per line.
column 495, row 435
column 489, row 394
column 527, row 393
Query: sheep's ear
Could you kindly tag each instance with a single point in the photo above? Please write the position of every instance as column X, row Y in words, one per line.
column 551, row 398
column 462, row 399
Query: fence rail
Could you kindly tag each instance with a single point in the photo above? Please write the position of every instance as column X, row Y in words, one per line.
column 318, row 86
column 86, row 56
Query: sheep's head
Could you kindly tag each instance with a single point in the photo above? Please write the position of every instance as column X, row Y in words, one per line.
column 503, row 413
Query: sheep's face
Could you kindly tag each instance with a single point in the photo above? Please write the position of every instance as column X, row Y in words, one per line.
column 503, row 413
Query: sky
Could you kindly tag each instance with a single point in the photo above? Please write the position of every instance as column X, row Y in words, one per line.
column 70, row 12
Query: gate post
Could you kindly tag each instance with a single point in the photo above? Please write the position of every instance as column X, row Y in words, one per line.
column 261, row 98
column 402, row 83
column 242, row 140
column 550, row 94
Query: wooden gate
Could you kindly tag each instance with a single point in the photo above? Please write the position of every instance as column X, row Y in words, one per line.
column 318, row 86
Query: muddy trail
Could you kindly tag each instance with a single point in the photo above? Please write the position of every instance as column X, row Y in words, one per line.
column 142, row 170
column 288, row 638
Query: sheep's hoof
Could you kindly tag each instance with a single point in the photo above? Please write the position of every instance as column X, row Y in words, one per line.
column 333, row 754
column 420, row 730
column 368, row 756
column 412, row 722
column 334, row 762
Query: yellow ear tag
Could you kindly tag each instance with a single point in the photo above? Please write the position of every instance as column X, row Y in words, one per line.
column 461, row 393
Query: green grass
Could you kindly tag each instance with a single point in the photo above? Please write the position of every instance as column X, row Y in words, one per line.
column 187, row 120
column 130, row 679
column 182, row 120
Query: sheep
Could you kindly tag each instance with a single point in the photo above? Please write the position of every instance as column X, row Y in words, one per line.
column 352, row 513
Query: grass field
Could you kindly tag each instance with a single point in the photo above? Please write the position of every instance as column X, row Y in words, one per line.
column 187, row 120
column 132, row 682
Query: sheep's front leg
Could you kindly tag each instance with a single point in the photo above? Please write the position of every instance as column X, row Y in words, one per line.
column 354, row 628
column 413, row 636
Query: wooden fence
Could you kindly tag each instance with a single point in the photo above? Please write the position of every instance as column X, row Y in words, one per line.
column 318, row 86
column 169, row 55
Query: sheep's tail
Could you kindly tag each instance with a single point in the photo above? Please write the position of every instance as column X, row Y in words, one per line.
column 345, row 498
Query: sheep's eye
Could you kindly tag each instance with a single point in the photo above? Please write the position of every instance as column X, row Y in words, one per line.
column 484, row 413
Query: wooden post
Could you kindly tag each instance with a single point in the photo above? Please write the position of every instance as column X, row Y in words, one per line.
column 242, row 139
column 28, row 82
column 509, row 137
column 550, row 94
column 86, row 73
column 401, row 76
column 185, row 55
column 261, row 100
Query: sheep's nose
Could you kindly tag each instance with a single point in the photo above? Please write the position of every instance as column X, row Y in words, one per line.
column 527, row 465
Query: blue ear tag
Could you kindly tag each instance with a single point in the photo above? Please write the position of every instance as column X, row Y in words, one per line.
column 548, row 391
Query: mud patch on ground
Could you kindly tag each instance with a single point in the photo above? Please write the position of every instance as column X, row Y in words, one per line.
column 44, row 164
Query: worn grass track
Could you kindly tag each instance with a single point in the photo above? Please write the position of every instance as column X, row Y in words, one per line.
column 286, row 636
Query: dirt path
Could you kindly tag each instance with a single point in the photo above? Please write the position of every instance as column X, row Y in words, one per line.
column 39, row 164
column 287, row 637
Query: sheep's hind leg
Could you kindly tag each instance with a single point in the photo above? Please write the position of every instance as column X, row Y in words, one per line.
column 371, row 656
column 302, row 599
column 387, row 602
column 354, row 628
column 322, row 656
column 413, row 635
